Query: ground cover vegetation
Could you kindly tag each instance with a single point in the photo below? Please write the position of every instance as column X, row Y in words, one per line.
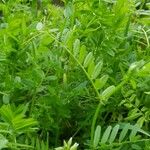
column 77, row 71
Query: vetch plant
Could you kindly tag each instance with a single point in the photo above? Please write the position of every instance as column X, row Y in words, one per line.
column 76, row 68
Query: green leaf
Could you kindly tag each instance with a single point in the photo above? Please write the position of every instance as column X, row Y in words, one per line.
column 134, row 113
column 145, row 70
column 76, row 47
column 134, row 116
column 100, row 83
column 114, row 133
column 82, row 53
column 6, row 113
column 107, row 93
column 59, row 148
column 16, row 118
column 140, row 121
column 74, row 147
column 38, row 147
column 68, row 10
column 51, row 78
column 133, row 83
column 88, row 59
column 139, row 129
column 148, row 93
column 27, row 124
column 6, row 99
column 97, row 136
column 136, row 67
column 3, row 142
column 91, row 68
column 43, row 146
column 66, row 37
column 124, row 132
column 133, row 132
column 106, row 135
column 135, row 147
column 97, row 70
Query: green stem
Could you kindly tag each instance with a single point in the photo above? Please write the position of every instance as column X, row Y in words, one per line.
column 94, row 122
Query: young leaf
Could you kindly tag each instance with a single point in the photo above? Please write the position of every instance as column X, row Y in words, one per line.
column 76, row 47
column 88, row 59
column 108, row 92
column 97, row 136
column 114, row 133
column 106, row 135
column 70, row 142
column 82, row 53
column 97, row 70
column 124, row 132
column 74, row 147
column 99, row 83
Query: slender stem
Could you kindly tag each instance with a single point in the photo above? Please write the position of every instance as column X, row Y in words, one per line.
column 94, row 122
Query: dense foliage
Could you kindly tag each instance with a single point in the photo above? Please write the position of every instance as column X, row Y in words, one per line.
column 77, row 70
